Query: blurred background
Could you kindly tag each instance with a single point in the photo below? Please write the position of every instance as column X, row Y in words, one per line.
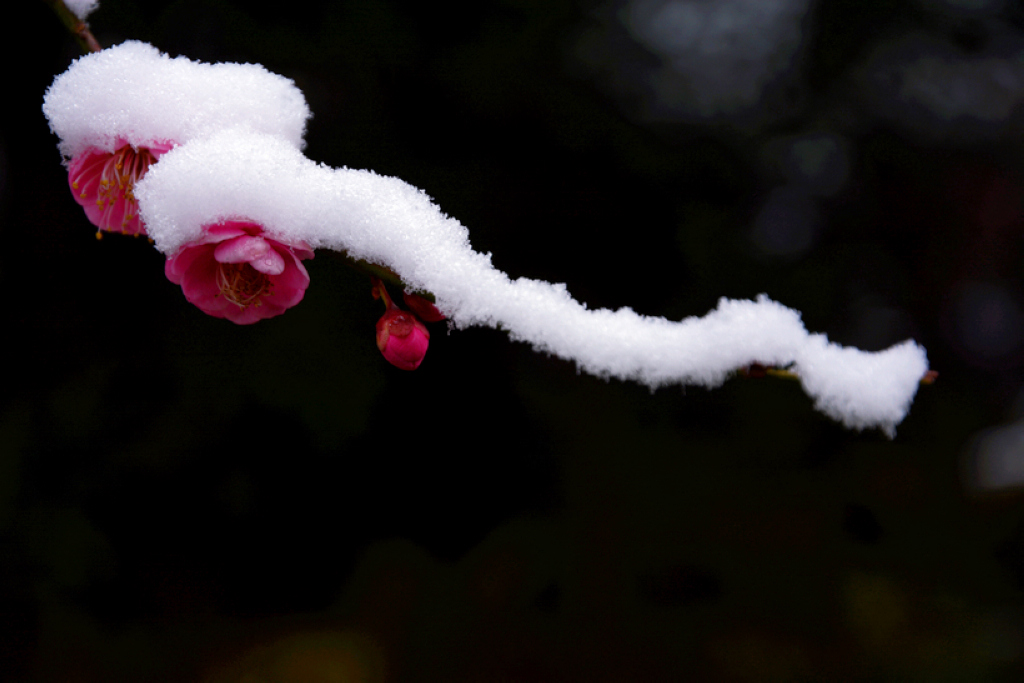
column 183, row 499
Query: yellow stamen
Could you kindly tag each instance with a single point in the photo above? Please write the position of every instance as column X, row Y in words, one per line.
column 243, row 285
column 118, row 177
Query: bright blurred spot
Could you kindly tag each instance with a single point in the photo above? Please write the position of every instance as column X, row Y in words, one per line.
column 310, row 657
column 876, row 611
column 996, row 460
column 787, row 223
column 718, row 56
column 988, row 322
column 931, row 87
column 819, row 163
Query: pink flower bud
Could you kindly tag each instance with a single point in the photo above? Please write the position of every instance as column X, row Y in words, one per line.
column 402, row 338
column 425, row 310
column 236, row 272
column 104, row 184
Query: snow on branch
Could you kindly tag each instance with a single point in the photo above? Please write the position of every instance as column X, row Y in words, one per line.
column 237, row 186
column 134, row 93
column 82, row 8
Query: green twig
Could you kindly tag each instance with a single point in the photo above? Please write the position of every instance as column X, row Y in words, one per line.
column 78, row 28
column 757, row 370
column 383, row 272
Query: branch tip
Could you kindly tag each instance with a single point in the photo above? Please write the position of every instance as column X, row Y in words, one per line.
column 78, row 28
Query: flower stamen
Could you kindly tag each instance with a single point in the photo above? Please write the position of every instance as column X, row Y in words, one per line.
column 243, row 285
column 120, row 172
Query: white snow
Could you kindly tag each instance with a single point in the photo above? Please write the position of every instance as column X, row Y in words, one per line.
column 244, row 161
column 135, row 93
column 238, row 174
column 82, row 8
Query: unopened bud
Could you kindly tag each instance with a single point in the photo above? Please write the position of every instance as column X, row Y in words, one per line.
column 402, row 338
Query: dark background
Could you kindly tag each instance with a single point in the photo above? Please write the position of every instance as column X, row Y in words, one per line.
column 184, row 499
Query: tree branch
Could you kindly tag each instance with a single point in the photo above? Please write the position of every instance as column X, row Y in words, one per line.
column 78, row 28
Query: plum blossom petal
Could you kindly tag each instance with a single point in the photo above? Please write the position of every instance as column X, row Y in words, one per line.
column 104, row 184
column 253, row 250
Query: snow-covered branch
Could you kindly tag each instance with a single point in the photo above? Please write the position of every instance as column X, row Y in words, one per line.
column 234, row 192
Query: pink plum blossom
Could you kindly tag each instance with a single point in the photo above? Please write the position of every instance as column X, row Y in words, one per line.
column 104, row 184
column 402, row 338
column 236, row 272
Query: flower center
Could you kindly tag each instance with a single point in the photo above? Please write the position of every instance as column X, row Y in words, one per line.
column 243, row 285
column 117, row 181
